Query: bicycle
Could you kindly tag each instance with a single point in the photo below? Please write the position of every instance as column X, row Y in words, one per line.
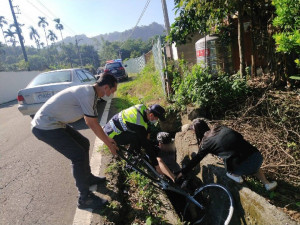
column 198, row 205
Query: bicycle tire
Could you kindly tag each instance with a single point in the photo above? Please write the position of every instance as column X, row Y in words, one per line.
column 217, row 202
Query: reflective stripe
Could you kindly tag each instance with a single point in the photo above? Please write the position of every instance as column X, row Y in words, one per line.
column 138, row 116
column 123, row 124
column 113, row 126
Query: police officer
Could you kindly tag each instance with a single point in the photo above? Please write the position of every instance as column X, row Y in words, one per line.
column 131, row 126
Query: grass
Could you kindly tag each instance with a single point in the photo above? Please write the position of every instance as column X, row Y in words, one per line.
column 144, row 87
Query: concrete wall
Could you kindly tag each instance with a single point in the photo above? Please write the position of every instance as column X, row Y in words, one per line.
column 188, row 50
column 12, row 82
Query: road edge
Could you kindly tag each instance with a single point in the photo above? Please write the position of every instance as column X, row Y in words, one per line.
column 84, row 217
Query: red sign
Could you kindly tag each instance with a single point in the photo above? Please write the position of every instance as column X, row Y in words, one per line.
column 203, row 52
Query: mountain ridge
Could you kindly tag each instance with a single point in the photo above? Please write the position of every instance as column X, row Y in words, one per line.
column 141, row 32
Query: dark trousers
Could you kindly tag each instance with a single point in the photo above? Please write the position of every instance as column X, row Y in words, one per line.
column 128, row 137
column 75, row 147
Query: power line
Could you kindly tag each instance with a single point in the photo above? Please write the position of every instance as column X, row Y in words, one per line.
column 139, row 19
column 54, row 16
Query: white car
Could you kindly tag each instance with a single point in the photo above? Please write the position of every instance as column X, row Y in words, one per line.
column 45, row 85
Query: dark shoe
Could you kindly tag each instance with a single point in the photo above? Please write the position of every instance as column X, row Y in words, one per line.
column 91, row 201
column 96, row 180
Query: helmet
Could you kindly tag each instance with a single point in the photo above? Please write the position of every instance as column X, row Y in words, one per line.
column 164, row 138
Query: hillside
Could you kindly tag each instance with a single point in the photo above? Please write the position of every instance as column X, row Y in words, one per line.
column 141, row 32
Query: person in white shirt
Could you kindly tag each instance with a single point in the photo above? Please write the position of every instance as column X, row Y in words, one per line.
column 50, row 125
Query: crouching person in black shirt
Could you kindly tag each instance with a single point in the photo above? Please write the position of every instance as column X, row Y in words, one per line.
column 240, row 157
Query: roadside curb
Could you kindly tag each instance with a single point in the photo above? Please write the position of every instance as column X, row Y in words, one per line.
column 84, row 217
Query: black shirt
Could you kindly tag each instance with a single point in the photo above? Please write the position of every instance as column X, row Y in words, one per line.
column 225, row 143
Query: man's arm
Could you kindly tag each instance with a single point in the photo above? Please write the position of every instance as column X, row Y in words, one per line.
column 97, row 129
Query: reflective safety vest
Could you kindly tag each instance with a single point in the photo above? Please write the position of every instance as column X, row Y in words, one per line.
column 133, row 115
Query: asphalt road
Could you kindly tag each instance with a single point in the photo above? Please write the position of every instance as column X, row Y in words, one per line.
column 36, row 182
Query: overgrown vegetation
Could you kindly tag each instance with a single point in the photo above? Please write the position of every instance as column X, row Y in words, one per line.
column 144, row 87
column 196, row 86
column 138, row 201
column 273, row 26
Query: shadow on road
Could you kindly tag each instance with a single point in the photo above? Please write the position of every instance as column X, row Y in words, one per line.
column 8, row 104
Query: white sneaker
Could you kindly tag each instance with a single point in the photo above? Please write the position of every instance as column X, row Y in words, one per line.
column 271, row 186
column 236, row 178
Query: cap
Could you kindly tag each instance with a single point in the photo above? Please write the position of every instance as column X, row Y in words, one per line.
column 158, row 111
column 164, row 138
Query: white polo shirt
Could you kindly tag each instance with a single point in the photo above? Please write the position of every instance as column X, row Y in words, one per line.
column 66, row 107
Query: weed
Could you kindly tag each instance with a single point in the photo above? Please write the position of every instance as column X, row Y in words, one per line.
column 198, row 87
column 144, row 87
column 104, row 150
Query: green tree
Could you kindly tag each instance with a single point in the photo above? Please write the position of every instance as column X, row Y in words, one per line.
column 11, row 35
column 2, row 22
column 89, row 55
column 52, row 36
column 287, row 37
column 34, row 35
column 208, row 17
column 68, row 55
column 59, row 27
column 43, row 23
column 37, row 62
column 14, row 26
column 108, row 51
column 2, row 53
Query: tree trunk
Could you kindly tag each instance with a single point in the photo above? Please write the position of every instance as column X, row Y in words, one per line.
column 3, row 36
column 253, row 44
column 46, row 36
column 61, row 36
column 241, row 38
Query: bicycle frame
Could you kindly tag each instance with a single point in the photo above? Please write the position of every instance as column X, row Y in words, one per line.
column 163, row 184
column 159, row 181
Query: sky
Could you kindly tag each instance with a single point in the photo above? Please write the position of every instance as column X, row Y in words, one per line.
column 89, row 17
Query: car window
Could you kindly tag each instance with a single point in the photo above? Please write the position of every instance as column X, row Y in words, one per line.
column 51, row 77
column 89, row 75
column 82, row 76
column 113, row 65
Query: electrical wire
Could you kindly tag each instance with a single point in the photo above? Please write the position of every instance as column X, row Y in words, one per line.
column 42, row 4
column 52, row 17
column 139, row 19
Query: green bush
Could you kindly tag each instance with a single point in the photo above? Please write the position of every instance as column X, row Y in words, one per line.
column 198, row 87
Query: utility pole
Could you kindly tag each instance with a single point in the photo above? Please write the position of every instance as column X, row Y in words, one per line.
column 168, row 49
column 77, row 41
column 19, row 33
column 167, row 25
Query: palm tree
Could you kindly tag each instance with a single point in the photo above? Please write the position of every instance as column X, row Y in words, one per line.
column 59, row 27
column 43, row 23
column 52, row 36
column 3, row 21
column 15, row 27
column 11, row 34
column 34, row 35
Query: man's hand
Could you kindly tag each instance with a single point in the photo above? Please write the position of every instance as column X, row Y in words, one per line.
column 97, row 129
column 112, row 145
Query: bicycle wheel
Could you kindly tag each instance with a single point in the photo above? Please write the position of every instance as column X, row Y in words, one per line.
column 217, row 202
